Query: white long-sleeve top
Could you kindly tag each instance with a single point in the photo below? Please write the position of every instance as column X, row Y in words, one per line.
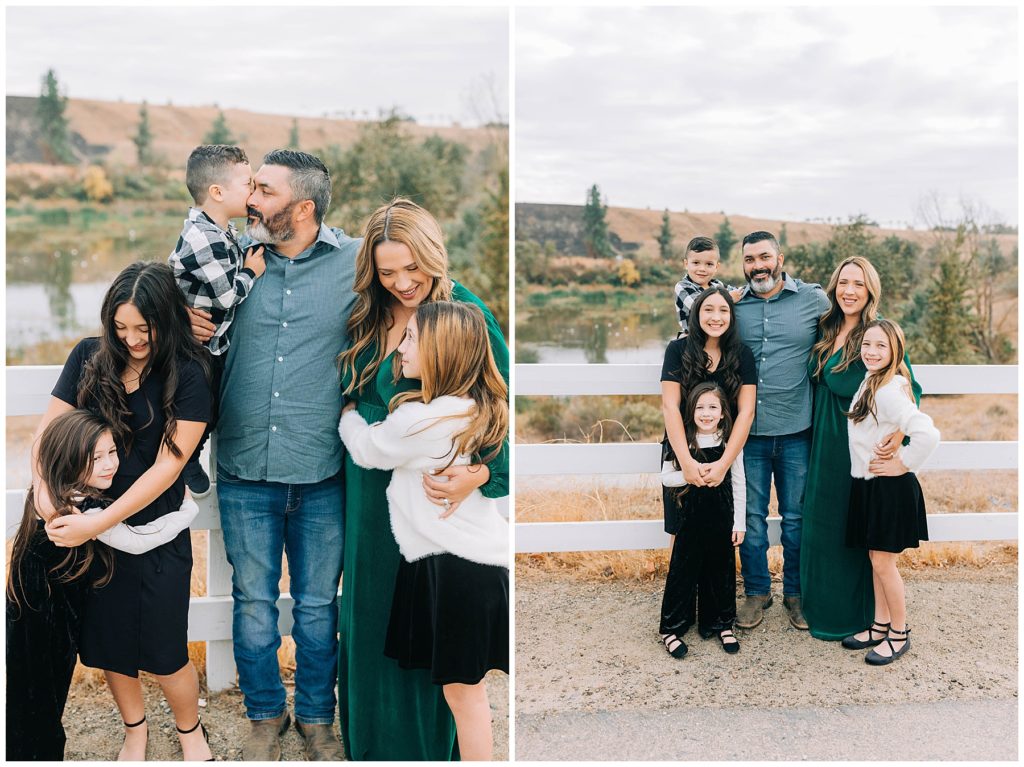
column 412, row 441
column 138, row 539
column 739, row 481
column 895, row 411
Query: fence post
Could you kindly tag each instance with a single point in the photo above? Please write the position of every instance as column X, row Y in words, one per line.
column 220, row 657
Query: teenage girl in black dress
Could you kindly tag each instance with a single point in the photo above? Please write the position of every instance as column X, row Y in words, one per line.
column 147, row 377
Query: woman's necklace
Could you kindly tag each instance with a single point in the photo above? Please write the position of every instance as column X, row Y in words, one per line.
column 131, row 382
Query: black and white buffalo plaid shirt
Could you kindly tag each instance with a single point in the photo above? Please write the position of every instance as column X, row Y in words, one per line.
column 208, row 265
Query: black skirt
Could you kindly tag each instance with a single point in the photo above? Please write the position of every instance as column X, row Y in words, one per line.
column 886, row 514
column 449, row 615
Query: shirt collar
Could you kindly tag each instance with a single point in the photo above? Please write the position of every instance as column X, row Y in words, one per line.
column 195, row 214
column 326, row 235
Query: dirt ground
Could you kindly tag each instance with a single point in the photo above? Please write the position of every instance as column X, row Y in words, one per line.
column 94, row 732
column 591, row 648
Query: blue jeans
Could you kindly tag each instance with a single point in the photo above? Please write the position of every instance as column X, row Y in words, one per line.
column 786, row 457
column 260, row 521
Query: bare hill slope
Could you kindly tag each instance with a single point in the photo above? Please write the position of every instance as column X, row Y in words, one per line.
column 104, row 130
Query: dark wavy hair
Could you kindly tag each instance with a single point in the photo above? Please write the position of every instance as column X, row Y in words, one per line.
column 690, row 424
column 695, row 361
column 66, row 449
column 150, row 288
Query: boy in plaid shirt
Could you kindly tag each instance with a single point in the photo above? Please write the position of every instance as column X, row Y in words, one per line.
column 208, row 262
column 702, row 260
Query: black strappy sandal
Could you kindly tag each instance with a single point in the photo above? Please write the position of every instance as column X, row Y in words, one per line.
column 730, row 647
column 852, row 643
column 875, row 659
column 136, row 724
column 676, row 647
column 199, row 724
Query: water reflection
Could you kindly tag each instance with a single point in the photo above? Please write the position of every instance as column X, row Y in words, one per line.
column 633, row 332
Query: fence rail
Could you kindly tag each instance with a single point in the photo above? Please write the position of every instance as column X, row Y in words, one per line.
column 644, row 458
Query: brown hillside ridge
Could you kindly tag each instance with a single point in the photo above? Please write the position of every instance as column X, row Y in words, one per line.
column 105, row 130
column 634, row 230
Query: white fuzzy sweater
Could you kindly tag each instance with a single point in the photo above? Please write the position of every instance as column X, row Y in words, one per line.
column 894, row 411
column 411, row 441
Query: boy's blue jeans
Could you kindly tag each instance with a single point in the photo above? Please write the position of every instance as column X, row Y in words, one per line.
column 260, row 521
column 786, row 458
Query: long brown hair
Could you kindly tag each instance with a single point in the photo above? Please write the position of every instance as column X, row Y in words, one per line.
column 695, row 361
column 66, row 449
column 405, row 222
column 831, row 322
column 456, row 359
column 150, row 288
column 865, row 406
column 690, row 423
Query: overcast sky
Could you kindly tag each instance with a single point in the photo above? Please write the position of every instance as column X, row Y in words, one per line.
column 781, row 113
column 433, row 63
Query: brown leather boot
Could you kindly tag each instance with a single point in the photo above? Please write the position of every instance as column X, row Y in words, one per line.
column 751, row 612
column 322, row 744
column 264, row 741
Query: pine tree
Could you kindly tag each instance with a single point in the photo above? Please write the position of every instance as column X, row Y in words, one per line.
column 53, row 125
column 143, row 139
column 726, row 239
column 293, row 137
column 595, row 228
column 665, row 237
column 219, row 132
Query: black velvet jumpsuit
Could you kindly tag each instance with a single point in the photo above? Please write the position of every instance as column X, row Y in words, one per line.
column 701, row 583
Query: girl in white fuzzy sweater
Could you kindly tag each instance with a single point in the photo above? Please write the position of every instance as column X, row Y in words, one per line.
column 887, row 513
column 450, row 609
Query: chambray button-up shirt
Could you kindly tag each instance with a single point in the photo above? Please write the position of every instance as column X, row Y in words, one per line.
column 780, row 331
column 280, row 395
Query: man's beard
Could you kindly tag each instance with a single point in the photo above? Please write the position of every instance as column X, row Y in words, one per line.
column 765, row 286
column 272, row 231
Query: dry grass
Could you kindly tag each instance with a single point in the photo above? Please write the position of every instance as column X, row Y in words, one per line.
column 947, row 493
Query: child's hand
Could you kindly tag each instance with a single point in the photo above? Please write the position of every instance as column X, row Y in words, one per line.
column 737, row 537
column 254, row 261
column 713, row 473
column 735, row 294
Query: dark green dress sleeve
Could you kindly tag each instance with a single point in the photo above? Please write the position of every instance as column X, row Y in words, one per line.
column 497, row 485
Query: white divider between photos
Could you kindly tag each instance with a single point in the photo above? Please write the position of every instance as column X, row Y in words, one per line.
column 568, row 459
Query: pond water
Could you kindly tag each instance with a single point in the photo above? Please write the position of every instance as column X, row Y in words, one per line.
column 60, row 262
column 634, row 332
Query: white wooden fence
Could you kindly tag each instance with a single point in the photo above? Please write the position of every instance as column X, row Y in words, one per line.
column 645, row 458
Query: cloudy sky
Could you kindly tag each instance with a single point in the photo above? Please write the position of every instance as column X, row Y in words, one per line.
column 437, row 64
column 782, row 113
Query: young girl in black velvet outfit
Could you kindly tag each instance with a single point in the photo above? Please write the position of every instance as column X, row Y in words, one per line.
column 701, row 583
column 47, row 586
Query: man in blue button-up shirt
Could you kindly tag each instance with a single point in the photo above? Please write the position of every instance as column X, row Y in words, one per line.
column 777, row 317
column 279, row 454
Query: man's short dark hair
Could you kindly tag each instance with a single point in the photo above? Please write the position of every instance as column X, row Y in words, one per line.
column 310, row 178
column 208, row 165
column 700, row 245
column 761, row 236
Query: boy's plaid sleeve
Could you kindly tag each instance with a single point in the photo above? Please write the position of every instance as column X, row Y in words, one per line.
column 208, row 270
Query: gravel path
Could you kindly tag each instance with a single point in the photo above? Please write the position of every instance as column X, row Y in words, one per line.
column 589, row 664
column 94, row 732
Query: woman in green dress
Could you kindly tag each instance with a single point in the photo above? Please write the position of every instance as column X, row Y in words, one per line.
column 386, row 712
column 836, row 581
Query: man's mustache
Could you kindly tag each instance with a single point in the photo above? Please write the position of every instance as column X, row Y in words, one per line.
column 253, row 213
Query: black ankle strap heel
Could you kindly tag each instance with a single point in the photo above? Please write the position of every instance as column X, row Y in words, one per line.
column 198, row 725
column 136, row 724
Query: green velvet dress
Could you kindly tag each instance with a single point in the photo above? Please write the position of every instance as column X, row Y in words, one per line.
column 835, row 580
column 388, row 713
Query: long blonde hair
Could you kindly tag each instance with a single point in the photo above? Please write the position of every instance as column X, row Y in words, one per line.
column 405, row 222
column 831, row 322
column 865, row 406
column 455, row 358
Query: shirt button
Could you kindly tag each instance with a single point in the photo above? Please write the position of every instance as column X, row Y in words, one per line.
column 281, row 359
column 277, row 394
column 288, row 293
column 285, row 324
column 273, row 428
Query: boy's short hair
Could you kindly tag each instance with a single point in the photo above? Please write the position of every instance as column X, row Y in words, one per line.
column 700, row 245
column 207, row 165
